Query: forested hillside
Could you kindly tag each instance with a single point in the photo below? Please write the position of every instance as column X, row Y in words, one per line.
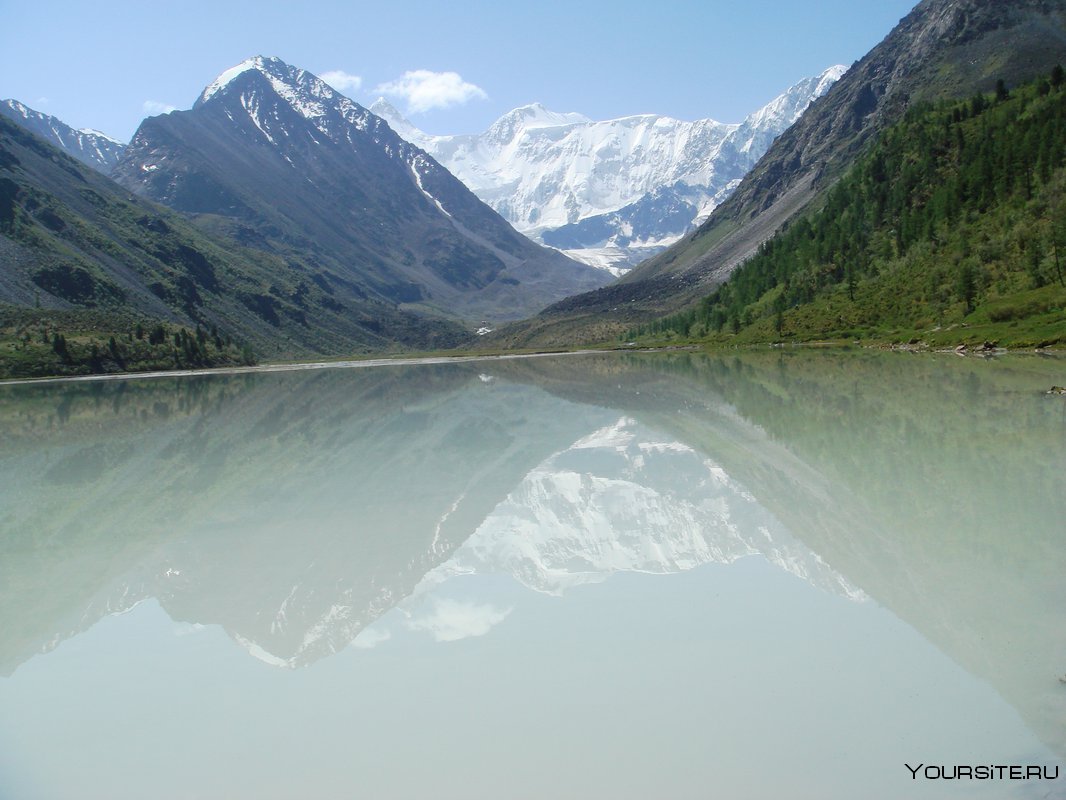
column 951, row 229
column 84, row 260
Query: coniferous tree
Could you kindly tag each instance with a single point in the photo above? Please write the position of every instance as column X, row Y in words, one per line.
column 59, row 347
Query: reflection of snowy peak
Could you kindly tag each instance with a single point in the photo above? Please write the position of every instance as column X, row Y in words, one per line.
column 302, row 630
column 624, row 500
column 502, row 484
column 544, row 171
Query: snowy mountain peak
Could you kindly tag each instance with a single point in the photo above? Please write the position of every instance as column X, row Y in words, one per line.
column 267, row 65
column 536, row 115
column 255, row 86
column 101, row 135
column 530, row 118
column 17, row 107
column 91, row 147
column 397, row 121
column 829, row 77
column 306, row 93
column 387, row 111
column 758, row 130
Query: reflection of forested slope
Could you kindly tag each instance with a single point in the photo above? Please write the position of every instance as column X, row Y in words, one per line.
column 266, row 503
column 935, row 484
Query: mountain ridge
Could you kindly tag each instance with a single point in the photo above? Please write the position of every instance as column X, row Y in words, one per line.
column 272, row 153
column 585, row 186
column 936, row 37
column 91, row 147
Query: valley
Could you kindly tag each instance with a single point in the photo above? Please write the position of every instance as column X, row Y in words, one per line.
column 282, row 217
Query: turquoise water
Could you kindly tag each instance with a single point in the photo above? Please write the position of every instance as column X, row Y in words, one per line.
column 775, row 575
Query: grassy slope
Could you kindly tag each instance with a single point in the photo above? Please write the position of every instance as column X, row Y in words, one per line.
column 951, row 230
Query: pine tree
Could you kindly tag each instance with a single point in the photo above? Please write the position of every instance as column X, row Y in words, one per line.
column 59, row 347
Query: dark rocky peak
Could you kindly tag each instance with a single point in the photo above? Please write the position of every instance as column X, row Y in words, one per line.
column 267, row 90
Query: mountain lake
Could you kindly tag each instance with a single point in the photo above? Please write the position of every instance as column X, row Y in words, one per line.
column 774, row 574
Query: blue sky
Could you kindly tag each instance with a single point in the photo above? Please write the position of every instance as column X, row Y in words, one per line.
column 454, row 67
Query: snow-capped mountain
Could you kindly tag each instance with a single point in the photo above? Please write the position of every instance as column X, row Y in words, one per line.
column 615, row 191
column 95, row 149
column 305, row 172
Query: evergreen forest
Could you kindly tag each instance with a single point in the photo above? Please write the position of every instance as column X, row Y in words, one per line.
column 951, row 229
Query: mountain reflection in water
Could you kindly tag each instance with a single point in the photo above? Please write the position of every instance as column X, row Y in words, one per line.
column 301, row 511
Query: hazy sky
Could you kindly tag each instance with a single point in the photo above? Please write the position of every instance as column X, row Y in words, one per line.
column 452, row 67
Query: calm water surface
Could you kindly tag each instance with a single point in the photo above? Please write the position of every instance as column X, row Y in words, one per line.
column 778, row 575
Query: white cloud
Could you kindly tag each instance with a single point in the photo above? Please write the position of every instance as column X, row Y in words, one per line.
column 425, row 90
column 452, row 620
column 342, row 81
column 153, row 107
column 41, row 101
column 369, row 638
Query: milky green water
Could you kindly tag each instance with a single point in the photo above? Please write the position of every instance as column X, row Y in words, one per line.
column 666, row 575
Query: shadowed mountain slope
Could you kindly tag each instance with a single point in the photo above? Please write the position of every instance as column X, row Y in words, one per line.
column 71, row 240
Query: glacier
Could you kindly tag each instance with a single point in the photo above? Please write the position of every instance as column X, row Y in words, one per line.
column 611, row 192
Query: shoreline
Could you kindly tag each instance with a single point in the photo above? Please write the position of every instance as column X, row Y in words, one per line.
column 394, row 361
column 290, row 367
